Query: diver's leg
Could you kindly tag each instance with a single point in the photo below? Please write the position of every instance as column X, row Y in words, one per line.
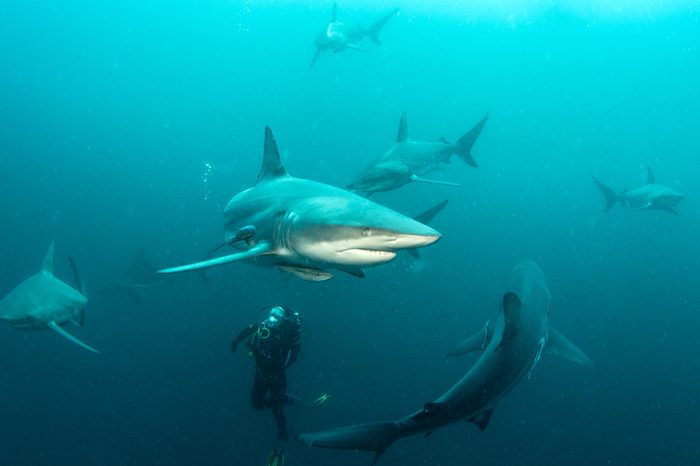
column 278, row 387
column 257, row 394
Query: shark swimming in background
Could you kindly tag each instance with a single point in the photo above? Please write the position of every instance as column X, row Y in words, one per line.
column 339, row 36
column 651, row 196
column 408, row 160
column 306, row 228
column 43, row 301
column 140, row 276
column 510, row 346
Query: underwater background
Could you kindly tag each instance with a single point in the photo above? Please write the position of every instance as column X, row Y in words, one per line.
column 128, row 124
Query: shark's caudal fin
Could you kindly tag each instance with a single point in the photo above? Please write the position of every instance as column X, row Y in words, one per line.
column 76, row 276
column 376, row 437
column 373, row 30
column 558, row 344
column 57, row 328
column 402, row 133
column 47, row 265
column 258, row 249
column 272, row 164
column 610, row 195
column 467, row 141
column 476, row 342
column 650, row 176
column 425, row 218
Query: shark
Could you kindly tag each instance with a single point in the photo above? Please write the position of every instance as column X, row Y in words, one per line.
column 409, row 160
column 651, row 196
column 140, row 276
column 43, row 301
column 510, row 347
column 339, row 36
column 309, row 228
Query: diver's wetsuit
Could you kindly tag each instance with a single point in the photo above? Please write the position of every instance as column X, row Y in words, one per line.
column 275, row 345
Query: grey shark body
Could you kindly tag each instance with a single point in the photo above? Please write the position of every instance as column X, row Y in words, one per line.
column 511, row 346
column 139, row 277
column 339, row 36
column 306, row 228
column 408, row 160
column 651, row 196
column 42, row 301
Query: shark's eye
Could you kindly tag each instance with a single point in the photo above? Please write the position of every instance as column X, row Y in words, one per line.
column 366, row 231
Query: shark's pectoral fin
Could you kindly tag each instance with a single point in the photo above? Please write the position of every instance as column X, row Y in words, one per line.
column 258, row 249
column 354, row 271
column 419, row 179
column 558, row 344
column 316, row 55
column 476, row 342
column 671, row 210
column 352, row 46
column 481, row 419
column 58, row 329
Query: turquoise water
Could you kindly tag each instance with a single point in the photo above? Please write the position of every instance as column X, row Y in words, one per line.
column 127, row 125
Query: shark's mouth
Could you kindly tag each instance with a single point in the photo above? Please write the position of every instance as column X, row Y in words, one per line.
column 358, row 256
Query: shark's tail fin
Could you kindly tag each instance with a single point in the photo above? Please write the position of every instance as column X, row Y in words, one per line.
column 610, row 195
column 467, row 141
column 376, row 437
column 373, row 30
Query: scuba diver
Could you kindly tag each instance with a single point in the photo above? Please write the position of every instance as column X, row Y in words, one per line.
column 274, row 343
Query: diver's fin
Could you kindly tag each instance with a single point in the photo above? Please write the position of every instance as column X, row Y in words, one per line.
column 608, row 193
column 257, row 250
column 306, row 273
column 316, row 55
column 47, row 265
column 376, row 437
column 276, row 457
column 476, row 342
column 512, row 306
column 58, row 329
column 373, row 30
column 467, row 141
column 291, row 399
column 272, row 164
column 650, row 176
column 418, row 179
column 558, row 344
column 76, row 276
column 482, row 419
column 402, row 134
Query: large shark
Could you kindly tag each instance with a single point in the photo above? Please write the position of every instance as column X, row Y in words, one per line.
column 339, row 36
column 140, row 276
column 510, row 348
column 43, row 301
column 408, row 160
column 651, row 196
column 305, row 228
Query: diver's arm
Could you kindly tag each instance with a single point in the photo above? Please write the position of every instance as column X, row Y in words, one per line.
column 245, row 333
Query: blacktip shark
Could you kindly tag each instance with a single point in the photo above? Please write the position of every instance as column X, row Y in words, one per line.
column 651, row 196
column 511, row 347
column 140, row 276
column 305, row 228
column 408, row 160
column 43, row 301
column 339, row 36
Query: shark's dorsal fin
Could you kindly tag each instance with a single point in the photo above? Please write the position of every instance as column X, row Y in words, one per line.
column 481, row 419
column 511, row 314
column 272, row 164
column 650, row 176
column 558, row 344
column 47, row 265
column 402, row 135
column 334, row 13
